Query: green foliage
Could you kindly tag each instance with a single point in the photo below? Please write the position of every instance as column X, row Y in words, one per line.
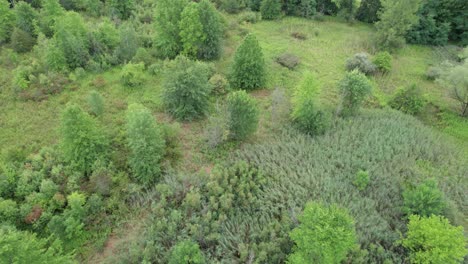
column 254, row 5
column 325, row 235
column 354, row 87
column 22, row 41
column 456, row 79
column 220, row 84
column 361, row 62
column 301, row 8
column 167, row 17
column 24, row 247
column 186, row 89
column 424, row 200
column 55, row 57
column 383, row 61
column 242, row 115
column 50, row 13
column 409, row 100
column 361, row 180
column 122, row 8
column 81, row 139
column 191, row 30
column 270, row 9
column 288, row 60
column 26, row 18
column 132, row 74
column 433, row 240
column 368, row 11
column 96, row 103
column 7, row 21
column 210, row 19
column 248, row 70
column 146, row 144
column 306, row 113
column 142, row 56
column 396, row 18
column 186, row 252
column 347, row 8
column 128, row 45
column 8, row 211
column 105, row 38
column 327, row 7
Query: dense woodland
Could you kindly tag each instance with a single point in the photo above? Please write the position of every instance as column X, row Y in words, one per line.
column 233, row 131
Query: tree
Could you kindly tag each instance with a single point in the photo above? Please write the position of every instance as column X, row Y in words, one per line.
column 82, row 141
column 7, row 22
column 132, row 74
column 270, row 9
column 433, row 240
column 424, row 200
column 396, row 18
column 191, row 30
column 167, row 19
column 128, row 44
column 325, row 235
column 210, row 19
column 306, row 114
column 408, row 100
column 122, row 8
column 354, row 88
column 24, row 247
column 302, row 8
column 146, row 143
column 242, row 113
column 96, row 103
column 248, row 70
column 456, row 79
column 26, row 18
column 22, row 41
column 186, row 89
column 368, row 11
column 186, row 252
column 347, row 8
column 50, row 13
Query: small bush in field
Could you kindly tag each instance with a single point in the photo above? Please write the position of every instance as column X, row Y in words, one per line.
column 142, row 56
column 186, row 252
column 424, row 200
column 217, row 130
column 433, row 73
column 186, row 89
column 433, row 240
column 288, row 60
column 173, row 149
column 325, row 234
column 243, row 115
column 361, row 180
column 361, row 62
column 248, row 71
column 383, row 61
column 355, row 87
column 249, row 16
column 132, row 74
column 220, row 84
column 22, row 41
column 409, row 100
column 96, row 103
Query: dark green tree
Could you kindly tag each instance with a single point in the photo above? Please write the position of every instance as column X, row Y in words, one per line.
column 167, row 19
column 210, row 19
column 50, row 13
column 146, row 143
column 270, row 9
column 368, row 11
column 186, row 89
column 122, row 8
column 327, row 7
column 248, row 70
column 82, row 141
column 254, row 5
column 242, row 112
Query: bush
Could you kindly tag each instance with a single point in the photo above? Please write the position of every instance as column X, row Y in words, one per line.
column 325, row 235
column 132, row 75
column 306, row 114
column 173, row 149
column 191, row 30
column 8, row 211
column 122, row 8
column 433, row 73
column 146, row 143
column 354, row 87
column 248, row 70
column 22, row 41
column 409, row 100
column 186, row 252
column 433, row 240
column 220, row 84
column 211, row 21
column 142, row 56
column 7, row 21
column 361, row 62
column 288, row 60
column 424, row 200
column 96, row 103
column 167, row 18
column 186, row 89
column 128, row 44
column 217, row 130
column 82, row 140
column 243, row 115
column 361, row 180
column 302, row 8
column 455, row 79
column 383, row 61
column 270, row 9
column 249, row 16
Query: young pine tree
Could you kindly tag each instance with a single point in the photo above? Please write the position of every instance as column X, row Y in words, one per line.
column 210, row 48
column 96, row 103
column 82, row 141
column 242, row 112
column 270, row 9
column 191, row 30
column 248, row 70
column 167, row 19
column 146, row 143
